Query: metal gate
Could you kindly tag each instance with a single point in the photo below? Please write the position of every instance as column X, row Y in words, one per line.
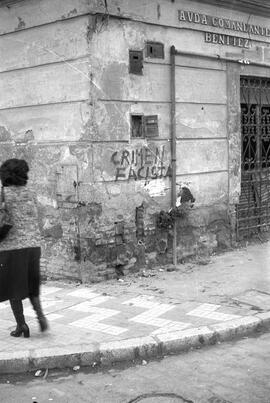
column 253, row 213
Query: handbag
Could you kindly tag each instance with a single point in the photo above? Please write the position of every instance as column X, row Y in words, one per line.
column 5, row 217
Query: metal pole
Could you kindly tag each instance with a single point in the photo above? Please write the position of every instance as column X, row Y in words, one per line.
column 173, row 151
column 244, row 61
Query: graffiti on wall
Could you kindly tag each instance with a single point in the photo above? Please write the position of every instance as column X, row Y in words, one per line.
column 141, row 164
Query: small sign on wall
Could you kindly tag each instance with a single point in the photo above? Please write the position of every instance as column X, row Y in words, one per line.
column 242, row 28
column 223, row 23
column 229, row 40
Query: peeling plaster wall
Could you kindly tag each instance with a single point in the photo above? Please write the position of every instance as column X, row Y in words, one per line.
column 66, row 96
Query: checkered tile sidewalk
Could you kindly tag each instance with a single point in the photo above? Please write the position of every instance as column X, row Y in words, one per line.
column 84, row 316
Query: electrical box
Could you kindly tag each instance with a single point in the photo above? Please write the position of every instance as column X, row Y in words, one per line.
column 155, row 50
column 136, row 62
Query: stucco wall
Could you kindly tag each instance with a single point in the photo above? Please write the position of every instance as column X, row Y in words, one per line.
column 66, row 96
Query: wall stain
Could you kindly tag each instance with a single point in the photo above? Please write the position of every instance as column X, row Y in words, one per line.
column 158, row 11
column 91, row 28
column 4, row 134
column 70, row 14
column 21, row 24
column 112, row 80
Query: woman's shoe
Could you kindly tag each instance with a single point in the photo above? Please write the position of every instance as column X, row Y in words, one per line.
column 43, row 324
column 21, row 330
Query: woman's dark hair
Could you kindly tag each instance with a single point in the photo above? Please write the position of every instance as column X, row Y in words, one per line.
column 13, row 172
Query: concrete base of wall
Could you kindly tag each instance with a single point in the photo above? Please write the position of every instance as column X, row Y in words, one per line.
column 203, row 231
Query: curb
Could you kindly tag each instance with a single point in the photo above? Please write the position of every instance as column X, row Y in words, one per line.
column 142, row 348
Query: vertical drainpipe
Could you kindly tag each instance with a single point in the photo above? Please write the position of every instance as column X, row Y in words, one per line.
column 173, row 150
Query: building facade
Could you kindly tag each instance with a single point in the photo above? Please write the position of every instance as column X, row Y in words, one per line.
column 120, row 105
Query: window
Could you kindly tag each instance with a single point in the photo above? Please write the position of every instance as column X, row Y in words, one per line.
column 155, row 50
column 151, row 126
column 137, row 126
column 136, row 62
column 144, row 126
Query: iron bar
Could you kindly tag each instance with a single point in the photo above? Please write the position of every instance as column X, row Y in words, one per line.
column 255, row 217
column 173, row 151
column 258, row 226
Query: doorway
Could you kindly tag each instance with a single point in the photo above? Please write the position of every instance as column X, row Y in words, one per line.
column 253, row 210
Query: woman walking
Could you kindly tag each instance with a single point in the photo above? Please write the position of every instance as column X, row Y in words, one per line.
column 20, row 248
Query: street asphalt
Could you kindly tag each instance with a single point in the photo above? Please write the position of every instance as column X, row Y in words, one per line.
column 153, row 313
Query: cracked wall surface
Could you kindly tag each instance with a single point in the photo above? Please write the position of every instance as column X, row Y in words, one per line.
column 66, row 102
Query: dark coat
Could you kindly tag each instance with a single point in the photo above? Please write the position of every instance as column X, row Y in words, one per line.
column 19, row 273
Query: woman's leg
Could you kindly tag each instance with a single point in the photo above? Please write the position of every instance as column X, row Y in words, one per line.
column 22, row 328
column 35, row 301
column 34, row 286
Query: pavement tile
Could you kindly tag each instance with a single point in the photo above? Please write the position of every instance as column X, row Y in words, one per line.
column 86, row 309
column 264, row 316
column 255, row 297
column 45, row 290
column 112, row 315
